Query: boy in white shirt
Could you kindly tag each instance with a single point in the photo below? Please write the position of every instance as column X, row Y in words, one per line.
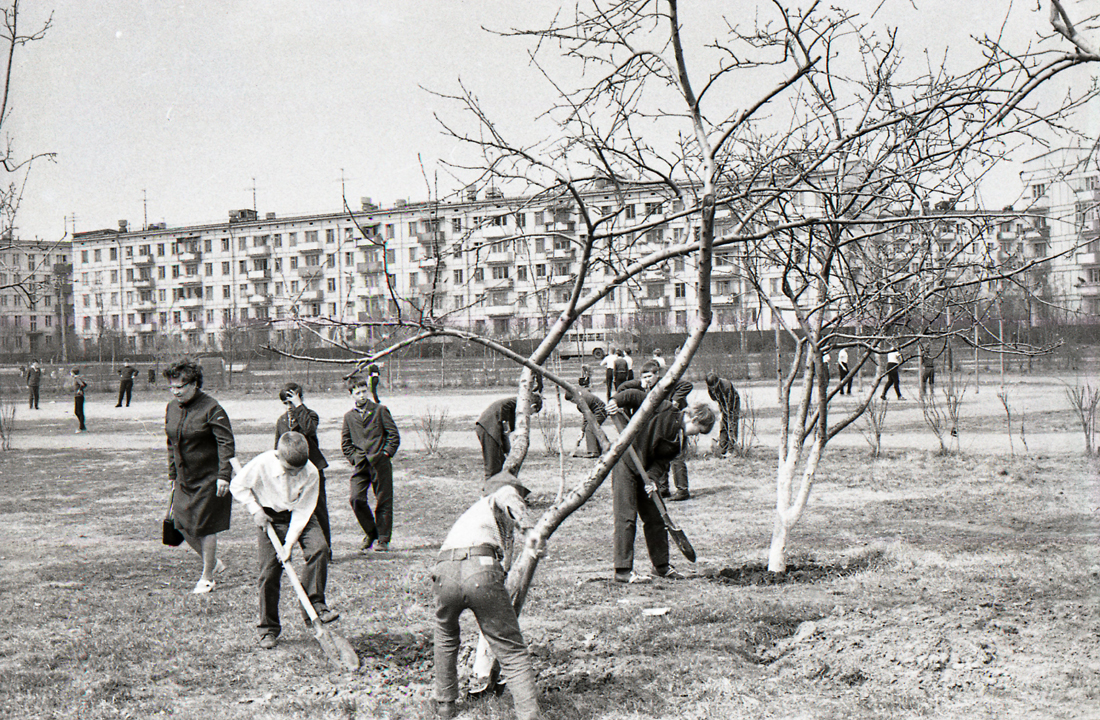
column 280, row 487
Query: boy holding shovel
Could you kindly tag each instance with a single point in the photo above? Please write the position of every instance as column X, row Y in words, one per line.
column 280, row 487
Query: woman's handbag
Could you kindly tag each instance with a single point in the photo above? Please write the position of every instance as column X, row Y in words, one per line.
column 169, row 533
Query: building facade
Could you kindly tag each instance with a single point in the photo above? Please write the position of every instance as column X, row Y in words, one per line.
column 36, row 312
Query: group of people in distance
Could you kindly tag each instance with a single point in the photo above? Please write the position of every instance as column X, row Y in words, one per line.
column 33, row 376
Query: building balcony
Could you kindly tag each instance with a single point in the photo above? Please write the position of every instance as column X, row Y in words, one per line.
column 259, row 299
column 561, row 227
column 658, row 302
column 189, row 280
column 430, row 262
column 143, row 260
column 144, row 306
column 311, row 248
column 1091, row 290
column 189, row 257
column 500, row 258
column 259, row 274
column 429, row 239
column 311, row 272
column 371, row 291
column 145, row 327
column 258, row 251
column 143, row 283
column 1088, row 258
column 188, row 302
column 374, row 266
column 308, row 296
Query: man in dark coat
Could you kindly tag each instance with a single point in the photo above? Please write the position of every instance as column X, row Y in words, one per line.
column 677, row 396
column 125, row 382
column 34, row 380
column 298, row 418
column 722, row 392
column 658, row 442
column 369, row 440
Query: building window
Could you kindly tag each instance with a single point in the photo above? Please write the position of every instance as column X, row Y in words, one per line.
column 175, row 271
column 521, row 273
column 479, row 274
column 540, row 270
column 83, row 256
column 243, row 266
column 113, row 251
column 332, row 284
column 277, row 240
column 458, row 277
column 98, row 255
column 311, row 236
column 412, row 254
column 681, row 290
column 294, row 262
column 161, row 272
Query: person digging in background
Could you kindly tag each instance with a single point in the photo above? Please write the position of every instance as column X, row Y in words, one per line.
column 301, row 419
column 660, row 439
column 494, row 429
column 722, row 392
column 588, row 433
column 200, row 451
column 470, row 574
column 280, row 487
column 369, row 440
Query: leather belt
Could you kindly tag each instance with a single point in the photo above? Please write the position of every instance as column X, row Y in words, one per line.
column 468, row 552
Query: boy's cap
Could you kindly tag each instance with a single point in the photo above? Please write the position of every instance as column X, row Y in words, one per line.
column 501, row 479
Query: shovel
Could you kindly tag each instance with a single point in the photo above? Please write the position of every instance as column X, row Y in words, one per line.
column 337, row 649
column 674, row 530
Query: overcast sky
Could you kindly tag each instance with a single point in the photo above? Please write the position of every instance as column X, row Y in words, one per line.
column 193, row 103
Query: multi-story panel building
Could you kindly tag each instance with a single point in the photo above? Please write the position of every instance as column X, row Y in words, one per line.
column 36, row 313
column 1063, row 188
column 495, row 265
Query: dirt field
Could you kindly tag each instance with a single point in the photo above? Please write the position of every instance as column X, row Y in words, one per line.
column 921, row 585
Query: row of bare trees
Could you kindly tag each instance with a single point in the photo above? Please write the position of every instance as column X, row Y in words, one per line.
column 830, row 189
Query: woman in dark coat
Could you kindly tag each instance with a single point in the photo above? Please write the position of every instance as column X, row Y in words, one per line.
column 200, row 446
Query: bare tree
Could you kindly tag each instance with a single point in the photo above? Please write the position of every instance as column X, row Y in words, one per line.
column 842, row 195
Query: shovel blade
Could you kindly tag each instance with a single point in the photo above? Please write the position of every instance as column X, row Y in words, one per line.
column 683, row 543
column 336, row 648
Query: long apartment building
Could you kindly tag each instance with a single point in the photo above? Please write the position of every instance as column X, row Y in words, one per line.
column 494, row 265
column 489, row 265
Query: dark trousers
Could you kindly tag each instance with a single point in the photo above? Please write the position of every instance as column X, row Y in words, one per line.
column 845, row 386
column 314, row 578
column 492, row 452
column 321, row 513
column 477, row 583
column 590, row 437
column 379, row 524
column 629, row 501
column 78, row 410
column 125, row 390
column 678, row 467
column 893, row 380
column 927, row 379
column 32, row 397
column 727, row 430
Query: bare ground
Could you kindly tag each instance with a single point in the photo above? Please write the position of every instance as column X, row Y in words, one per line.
column 920, row 585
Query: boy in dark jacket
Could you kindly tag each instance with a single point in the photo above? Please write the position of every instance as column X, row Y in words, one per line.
column 493, row 429
column 369, row 440
column 660, row 440
column 722, row 392
column 300, row 419
column 677, row 396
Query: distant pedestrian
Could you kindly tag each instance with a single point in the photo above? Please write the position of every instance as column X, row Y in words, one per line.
column 369, row 440
column 608, row 364
column 585, row 380
column 629, row 364
column 927, row 373
column 729, row 406
column 300, row 419
column 34, row 380
column 893, row 373
column 374, row 372
column 659, row 358
column 842, row 372
column 78, row 398
column 126, row 382
column 494, row 428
